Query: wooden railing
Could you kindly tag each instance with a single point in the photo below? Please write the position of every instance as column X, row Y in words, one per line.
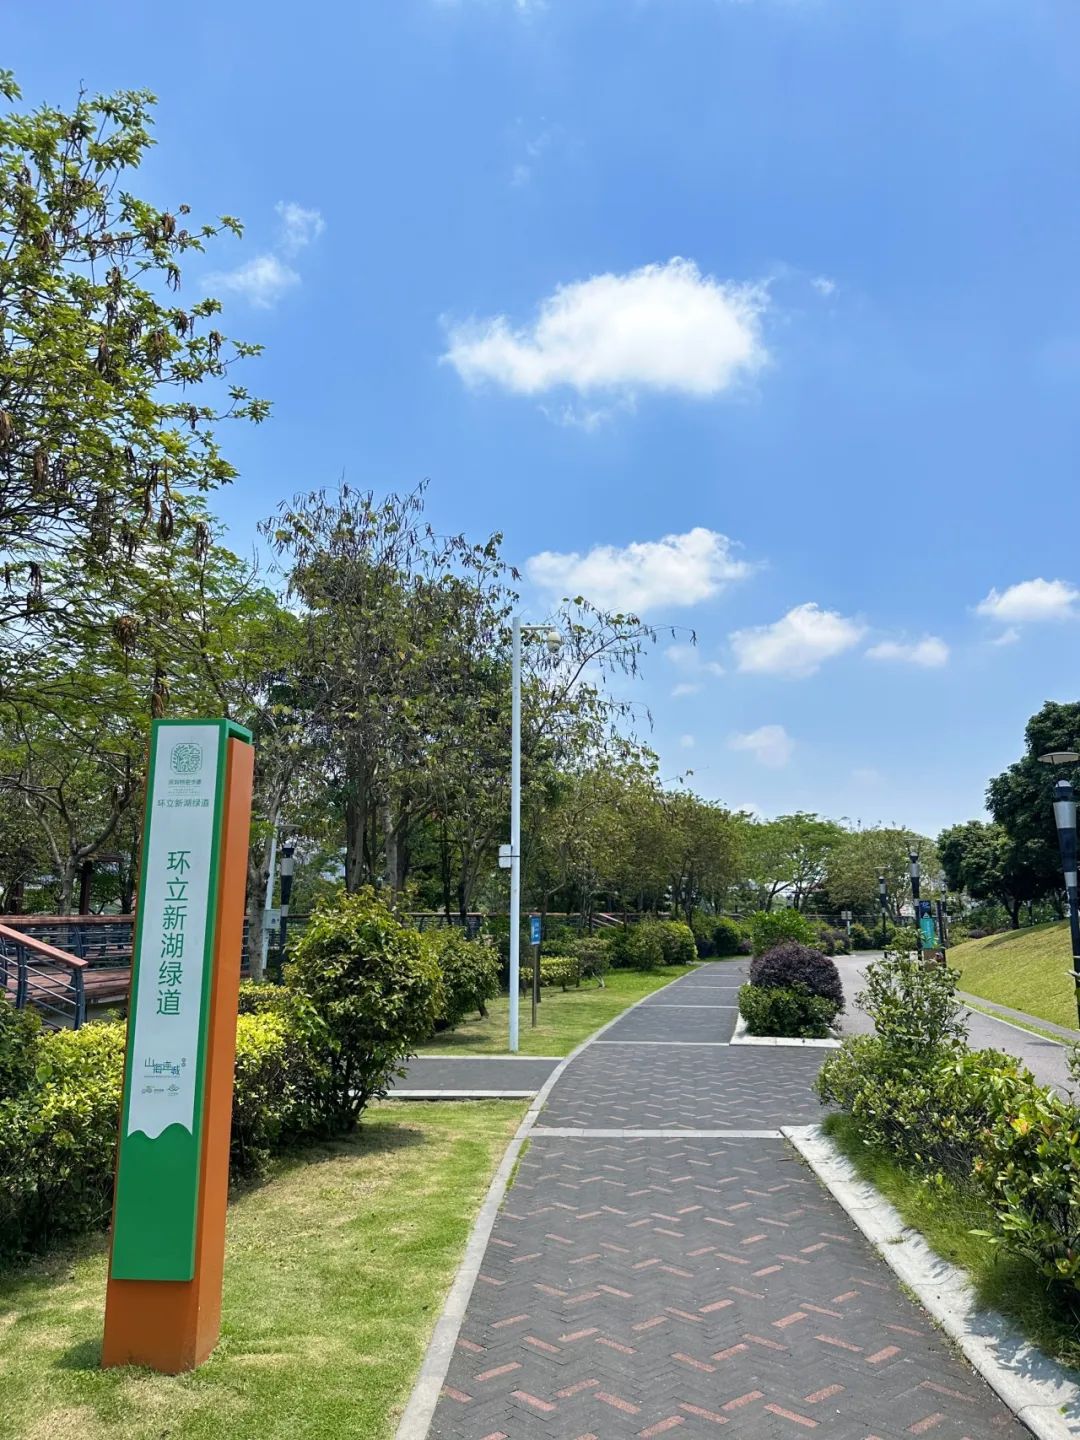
column 36, row 974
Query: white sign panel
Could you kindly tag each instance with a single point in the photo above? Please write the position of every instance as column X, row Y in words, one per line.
column 173, row 920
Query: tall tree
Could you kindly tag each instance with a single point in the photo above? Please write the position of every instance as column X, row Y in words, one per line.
column 109, row 392
column 989, row 864
column 1020, row 799
column 791, row 853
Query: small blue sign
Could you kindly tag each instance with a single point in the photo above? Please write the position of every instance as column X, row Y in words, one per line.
column 534, row 929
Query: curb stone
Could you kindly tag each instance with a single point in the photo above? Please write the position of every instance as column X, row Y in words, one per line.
column 1042, row 1394
column 742, row 1036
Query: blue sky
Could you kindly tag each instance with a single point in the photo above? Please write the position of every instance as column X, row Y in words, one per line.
column 764, row 310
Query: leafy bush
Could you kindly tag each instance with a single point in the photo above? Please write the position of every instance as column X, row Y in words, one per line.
column 746, row 946
column 1031, row 1174
column 19, row 1031
column 58, row 1140
column 703, row 927
column 932, row 1117
column 791, row 1012
column 376, row 992
column 469, row 970
column 561, row 970
column 791, row 965
column 728, row 937
column 638, row 947
column 913, row 1005
column 832, row 940
column 861, row 938
column 769, row 928
column 677, row 943
column 256, row 997
column 593, row 954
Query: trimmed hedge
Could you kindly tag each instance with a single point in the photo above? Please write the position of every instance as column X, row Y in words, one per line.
column 360, row 993
column 794, row 1012
column 561, row 970
column 791, row 966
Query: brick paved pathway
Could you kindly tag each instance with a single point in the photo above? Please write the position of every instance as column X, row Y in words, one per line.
column 641, row 1284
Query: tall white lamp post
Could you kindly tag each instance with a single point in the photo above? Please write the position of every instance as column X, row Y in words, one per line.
column 510, row 856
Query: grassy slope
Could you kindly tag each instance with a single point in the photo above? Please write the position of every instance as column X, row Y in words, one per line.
column 564, row 1020
column 946, row 1219
column 335, row 1274
column 1027, row 969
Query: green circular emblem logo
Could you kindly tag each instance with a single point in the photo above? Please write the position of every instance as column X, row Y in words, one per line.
column 186, row 758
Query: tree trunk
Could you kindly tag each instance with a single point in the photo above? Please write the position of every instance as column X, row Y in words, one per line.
column 67, row 884
column 444, row 865
column 355, row 838
column 1014, row 914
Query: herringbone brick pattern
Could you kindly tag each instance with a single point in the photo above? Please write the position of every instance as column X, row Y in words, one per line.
column 634, row 1287
column 686, row 1087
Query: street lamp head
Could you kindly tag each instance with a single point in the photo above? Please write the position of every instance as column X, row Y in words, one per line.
column 554, row 641
column 914, row 858
column 1060, row 757
column 1064, row 807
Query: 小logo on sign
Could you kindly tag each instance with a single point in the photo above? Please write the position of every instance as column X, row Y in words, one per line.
column 186, row 758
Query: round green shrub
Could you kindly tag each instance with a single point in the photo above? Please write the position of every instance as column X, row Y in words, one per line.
column 861, row 938
column 593, row 953
column 791, row 966
column 19, row 1031
column 469, row 970
column 677, row 943
column 374, row 989
column 728, row 936
column 770, row 927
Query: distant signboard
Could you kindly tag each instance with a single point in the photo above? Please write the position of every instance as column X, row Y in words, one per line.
column 534, row 929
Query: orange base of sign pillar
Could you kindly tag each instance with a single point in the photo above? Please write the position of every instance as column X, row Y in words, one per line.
column 172, row 1325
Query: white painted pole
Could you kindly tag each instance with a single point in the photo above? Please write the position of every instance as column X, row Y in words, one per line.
column 268, row 904
column 515, row 829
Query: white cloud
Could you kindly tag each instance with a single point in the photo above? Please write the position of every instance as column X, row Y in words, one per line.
column 299, row 227
column 823, row 285
column 1007, row 637
column 1031, row 600
column 931, row 652
column 796, row 644
column 770, row 745
column 665, row 327
column 264, row 279
column 261, row 281
column 866, row 775
column 687, row 742
column 675, row 570
column 688, row 660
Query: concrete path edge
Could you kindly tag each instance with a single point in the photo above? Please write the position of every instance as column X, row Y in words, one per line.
column 1044, row 1397
column 416, row 1418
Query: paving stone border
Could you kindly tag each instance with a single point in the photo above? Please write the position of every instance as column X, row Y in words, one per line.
column 742, row 1036
column 1041, row 1393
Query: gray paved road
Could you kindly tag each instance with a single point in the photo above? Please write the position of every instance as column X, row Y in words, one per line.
column 1044, row 1058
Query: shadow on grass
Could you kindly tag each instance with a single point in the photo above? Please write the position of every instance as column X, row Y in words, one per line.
column 52, row 1266
column 86, row 1355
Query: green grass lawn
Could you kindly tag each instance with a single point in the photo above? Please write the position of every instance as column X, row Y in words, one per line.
column 1027, row 969
column 564, row 1019
column 945, row 1218
column 336, row 1270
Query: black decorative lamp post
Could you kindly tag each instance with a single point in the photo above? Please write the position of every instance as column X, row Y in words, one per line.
column 1065, row 820
column 916, row 875
column 883, row 901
